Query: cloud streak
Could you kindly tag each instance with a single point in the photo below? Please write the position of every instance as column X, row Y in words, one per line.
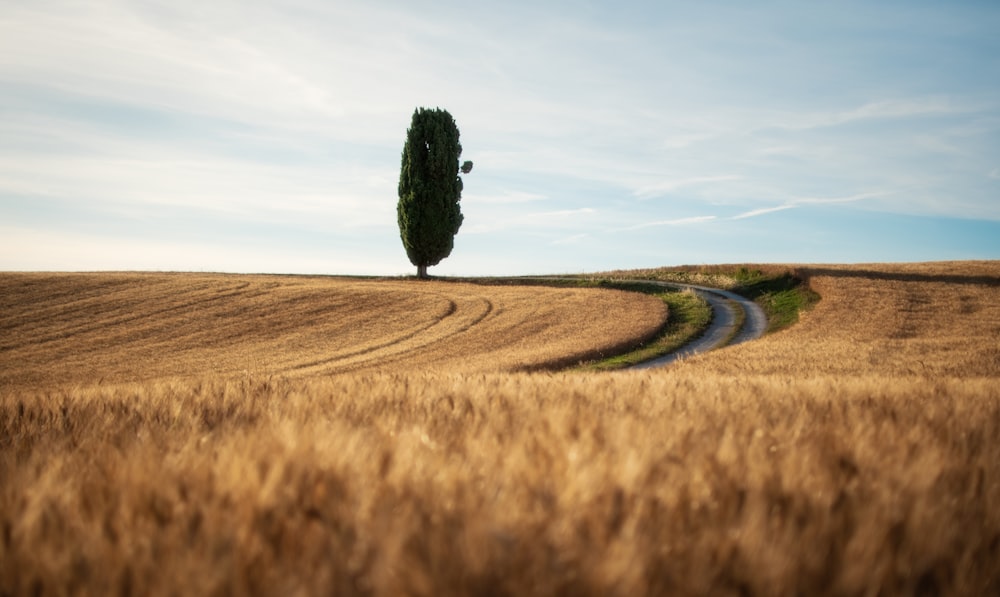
column 794, row 203
column 669, row 186
column 888, row 109
column 674, row 222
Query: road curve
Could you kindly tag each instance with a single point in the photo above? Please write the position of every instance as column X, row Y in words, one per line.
column 723, row 326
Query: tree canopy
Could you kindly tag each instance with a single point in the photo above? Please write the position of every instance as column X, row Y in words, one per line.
column 428, row 212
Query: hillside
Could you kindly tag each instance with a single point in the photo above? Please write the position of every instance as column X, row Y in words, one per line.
column 107, row 328
column 853, row 453
column 937, row 320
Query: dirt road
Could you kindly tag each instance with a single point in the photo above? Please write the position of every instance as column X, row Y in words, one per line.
column 723, row 327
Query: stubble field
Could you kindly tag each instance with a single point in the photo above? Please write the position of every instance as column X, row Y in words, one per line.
column 856, row 452
column 108, row 328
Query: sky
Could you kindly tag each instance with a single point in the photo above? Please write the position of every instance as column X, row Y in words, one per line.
column 265, row 135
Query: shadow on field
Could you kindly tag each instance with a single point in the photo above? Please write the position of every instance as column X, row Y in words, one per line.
column 806, row 273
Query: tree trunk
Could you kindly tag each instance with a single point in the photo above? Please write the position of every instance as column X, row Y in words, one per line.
column 422, row 272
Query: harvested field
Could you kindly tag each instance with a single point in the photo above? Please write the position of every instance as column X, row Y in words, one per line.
column 936, row 320
column 90, row 328
column 820, row 460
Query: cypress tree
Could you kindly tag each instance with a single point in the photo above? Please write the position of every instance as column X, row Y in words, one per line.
column 430, row 188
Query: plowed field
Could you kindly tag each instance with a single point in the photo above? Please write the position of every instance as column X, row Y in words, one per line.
column 87, row 328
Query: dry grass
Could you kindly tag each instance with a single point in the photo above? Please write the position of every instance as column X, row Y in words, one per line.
column 819, row 460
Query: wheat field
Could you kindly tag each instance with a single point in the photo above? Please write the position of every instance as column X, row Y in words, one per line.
column 855, row 453
column 92, row 328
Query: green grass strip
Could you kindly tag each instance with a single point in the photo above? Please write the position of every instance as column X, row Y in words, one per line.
column 739, row 318
column 688, row 316
column 782, row 297
column 780, row 293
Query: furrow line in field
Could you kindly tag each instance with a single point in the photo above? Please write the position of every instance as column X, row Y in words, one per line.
column 368, row 350
column 121, row 315
column 395, row 352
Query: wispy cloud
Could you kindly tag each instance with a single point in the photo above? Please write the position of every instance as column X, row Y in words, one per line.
column 505, row 198
column 563, row 213
column 876, row 110
column 904, row 108
column 794, row 203
column 753, row 213
column 673, row 222
column 668, row 186
column 555, row 220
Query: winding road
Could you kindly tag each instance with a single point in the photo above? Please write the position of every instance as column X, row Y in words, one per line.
column 722, row 331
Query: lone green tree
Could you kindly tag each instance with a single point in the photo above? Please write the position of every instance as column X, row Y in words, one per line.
column 430, row 188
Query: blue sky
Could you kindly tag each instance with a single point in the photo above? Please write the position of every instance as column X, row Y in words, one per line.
column 265, row 135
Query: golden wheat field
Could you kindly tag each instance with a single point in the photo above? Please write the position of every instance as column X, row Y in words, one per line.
column 90, row 328
column 855, row 453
